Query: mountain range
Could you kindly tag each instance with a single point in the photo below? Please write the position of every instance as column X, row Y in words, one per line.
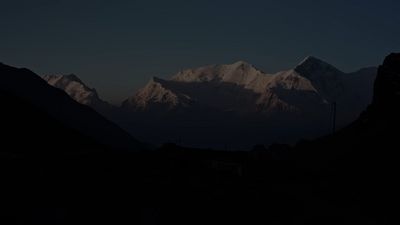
column 242, row 88
column 236, row 105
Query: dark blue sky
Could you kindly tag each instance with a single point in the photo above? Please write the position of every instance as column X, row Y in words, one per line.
column 116, row 46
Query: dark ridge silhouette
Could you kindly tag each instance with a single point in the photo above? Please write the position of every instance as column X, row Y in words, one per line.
column 28, row 86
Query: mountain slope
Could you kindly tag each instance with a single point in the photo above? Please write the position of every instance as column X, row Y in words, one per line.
column 29, row 87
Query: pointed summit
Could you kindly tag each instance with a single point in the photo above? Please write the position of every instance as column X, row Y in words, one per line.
column 309, row 59
column 312, row 65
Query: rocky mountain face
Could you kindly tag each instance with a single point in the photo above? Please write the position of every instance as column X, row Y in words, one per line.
column 240, row 87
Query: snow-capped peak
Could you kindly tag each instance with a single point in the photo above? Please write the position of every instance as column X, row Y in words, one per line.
column 241, row 66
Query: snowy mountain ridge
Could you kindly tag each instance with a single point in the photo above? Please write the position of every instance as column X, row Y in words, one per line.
column 242, row 87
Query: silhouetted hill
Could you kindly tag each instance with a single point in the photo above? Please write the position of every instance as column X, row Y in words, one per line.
column 25, row 85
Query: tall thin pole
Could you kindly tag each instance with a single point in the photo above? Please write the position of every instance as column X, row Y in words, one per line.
column 334, row 117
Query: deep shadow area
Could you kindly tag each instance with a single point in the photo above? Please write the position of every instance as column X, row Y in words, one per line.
column 44, row 182
column 52, row 174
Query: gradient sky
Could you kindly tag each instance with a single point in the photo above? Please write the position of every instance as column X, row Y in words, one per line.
column 117, row 46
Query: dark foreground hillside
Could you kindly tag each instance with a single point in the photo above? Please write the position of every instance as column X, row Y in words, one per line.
column 346, row 178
